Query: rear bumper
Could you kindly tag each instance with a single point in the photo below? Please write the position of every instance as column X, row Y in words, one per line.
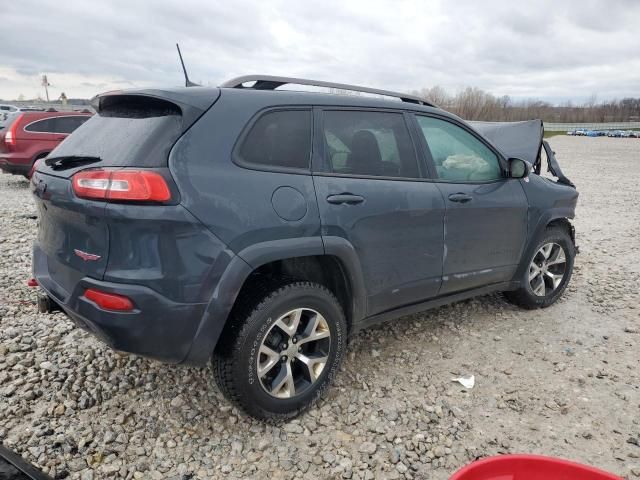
column 10, row 163
column 158, row 328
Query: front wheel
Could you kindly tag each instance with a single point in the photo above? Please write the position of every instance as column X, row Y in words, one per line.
column 282, row 352
column 548, row 271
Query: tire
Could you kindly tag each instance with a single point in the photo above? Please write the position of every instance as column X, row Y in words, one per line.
column 541, row 297
column 311, row 356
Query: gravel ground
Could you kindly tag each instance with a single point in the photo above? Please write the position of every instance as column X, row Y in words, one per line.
column 563, row 381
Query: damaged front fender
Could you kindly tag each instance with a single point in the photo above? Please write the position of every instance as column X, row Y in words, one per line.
column 554, row 167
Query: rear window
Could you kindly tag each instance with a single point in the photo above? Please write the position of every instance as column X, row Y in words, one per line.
column 279, row 139
column 56, row 124
column 128, row 130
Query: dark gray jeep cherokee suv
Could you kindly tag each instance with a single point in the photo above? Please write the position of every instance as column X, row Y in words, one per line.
column 259, row 228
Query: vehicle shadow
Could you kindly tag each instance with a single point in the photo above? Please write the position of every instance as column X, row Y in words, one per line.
column 17, row 182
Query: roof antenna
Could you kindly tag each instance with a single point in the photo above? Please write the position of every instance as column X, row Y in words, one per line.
column 187, row 82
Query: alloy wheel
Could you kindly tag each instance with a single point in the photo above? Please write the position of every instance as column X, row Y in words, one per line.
column 547, row 269
column 293, row 353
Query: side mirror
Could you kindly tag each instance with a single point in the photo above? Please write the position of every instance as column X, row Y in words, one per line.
column 518, row 168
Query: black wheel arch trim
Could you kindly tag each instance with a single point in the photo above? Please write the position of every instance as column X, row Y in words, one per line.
column 246, row 261
column 563, row 214
column 261, row 253
column 343, row 249
column 217, row 311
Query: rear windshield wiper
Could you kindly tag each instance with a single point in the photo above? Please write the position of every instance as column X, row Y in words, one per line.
column 62, row 163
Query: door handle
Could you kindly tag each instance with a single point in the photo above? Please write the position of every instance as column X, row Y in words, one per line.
column 345, row 199
column 460, row 197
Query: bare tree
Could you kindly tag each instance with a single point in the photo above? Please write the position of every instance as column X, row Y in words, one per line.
column 473, row 103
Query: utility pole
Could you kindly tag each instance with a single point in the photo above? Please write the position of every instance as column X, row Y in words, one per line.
column 46, row 84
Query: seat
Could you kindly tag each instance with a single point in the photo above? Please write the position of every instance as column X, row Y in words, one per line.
column 365, row 157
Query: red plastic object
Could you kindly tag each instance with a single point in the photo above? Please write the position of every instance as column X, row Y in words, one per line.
column 32, row 282
column 109, row 301
column 529, row 467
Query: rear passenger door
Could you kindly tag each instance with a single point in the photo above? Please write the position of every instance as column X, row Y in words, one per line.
column 486, row 212
column 372, row 193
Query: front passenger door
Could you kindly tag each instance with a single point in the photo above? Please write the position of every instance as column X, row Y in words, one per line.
column 486, row 213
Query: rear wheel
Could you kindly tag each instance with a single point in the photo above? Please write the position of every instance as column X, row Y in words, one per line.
column 282, row 352
column 548, row 271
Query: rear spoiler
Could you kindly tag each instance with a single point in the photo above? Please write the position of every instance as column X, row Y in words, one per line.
column 192, row 102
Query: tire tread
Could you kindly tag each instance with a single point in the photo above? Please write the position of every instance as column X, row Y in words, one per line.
column 224, row 359
column 521, row 297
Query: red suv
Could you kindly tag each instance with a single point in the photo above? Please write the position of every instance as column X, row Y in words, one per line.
column 32, row 135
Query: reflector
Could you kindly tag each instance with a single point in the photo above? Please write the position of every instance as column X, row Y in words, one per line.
column 109, row 301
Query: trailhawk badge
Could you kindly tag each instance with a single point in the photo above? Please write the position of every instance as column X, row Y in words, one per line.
column 86, row 256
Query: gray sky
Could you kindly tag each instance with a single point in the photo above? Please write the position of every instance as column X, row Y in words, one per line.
column 539, row 49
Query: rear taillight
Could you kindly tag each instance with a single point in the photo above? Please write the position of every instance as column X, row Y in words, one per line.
column 34, row 167
column 109, row 301
column 10, row 135
column 121, row 185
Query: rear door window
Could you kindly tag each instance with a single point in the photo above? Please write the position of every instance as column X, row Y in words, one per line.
column 368, row 143
column 280, row 139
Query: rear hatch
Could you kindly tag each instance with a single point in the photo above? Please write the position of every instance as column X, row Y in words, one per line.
column 130, row 129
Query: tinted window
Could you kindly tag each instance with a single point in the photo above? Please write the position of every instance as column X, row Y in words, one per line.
column 369, row 143
column 56, row 124
column 458, row 155
column 68, row 124
column 45, row 125
column 127, row 130
column 279, row 139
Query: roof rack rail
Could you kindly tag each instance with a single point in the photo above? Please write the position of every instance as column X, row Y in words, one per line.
column 268, row 82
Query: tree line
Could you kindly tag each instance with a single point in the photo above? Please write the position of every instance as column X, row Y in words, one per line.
column 475, row 104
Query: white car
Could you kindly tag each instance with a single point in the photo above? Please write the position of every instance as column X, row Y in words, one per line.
column 5, row 110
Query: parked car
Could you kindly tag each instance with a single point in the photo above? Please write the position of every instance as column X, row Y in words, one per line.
column 31, row 135
column 5, row 110
column 258, row 229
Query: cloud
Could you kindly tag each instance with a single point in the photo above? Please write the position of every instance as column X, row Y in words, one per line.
column 539, row 49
